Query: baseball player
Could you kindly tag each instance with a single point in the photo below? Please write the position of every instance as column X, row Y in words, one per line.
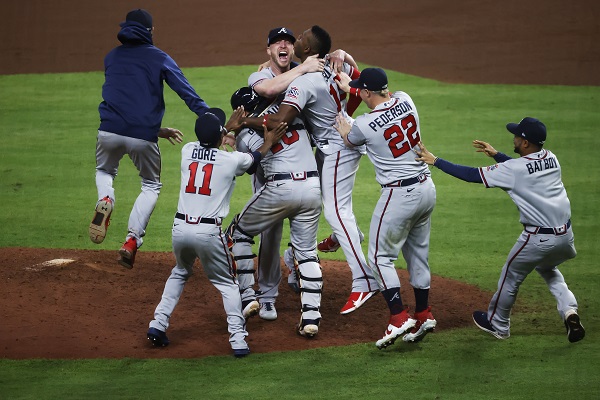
column 402, row 217
column 130, row 117
column 533, row 181
column 291, row 191
column 207, row 182
column 269, row 85
column 318, row 98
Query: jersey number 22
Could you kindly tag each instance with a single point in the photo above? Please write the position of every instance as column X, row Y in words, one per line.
column 397, row 136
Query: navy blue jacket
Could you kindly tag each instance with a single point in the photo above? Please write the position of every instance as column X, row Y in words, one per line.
column 133, row 89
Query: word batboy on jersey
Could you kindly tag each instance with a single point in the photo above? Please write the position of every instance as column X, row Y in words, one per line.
column 388, row 116
column 541, row 165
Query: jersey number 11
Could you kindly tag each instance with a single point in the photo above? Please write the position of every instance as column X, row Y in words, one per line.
column 205, row 188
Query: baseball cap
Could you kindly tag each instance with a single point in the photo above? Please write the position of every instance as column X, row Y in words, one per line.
column 373, row 79
column 529, row 128
column 209, row 126
column 140, row 16
column 280, row 32
column 245, row 96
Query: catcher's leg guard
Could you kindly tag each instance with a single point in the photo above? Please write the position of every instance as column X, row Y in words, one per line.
column 311, row 287
column 244, row 259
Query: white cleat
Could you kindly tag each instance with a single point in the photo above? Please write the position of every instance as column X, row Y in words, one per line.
column 268, row 311
column 398, row 325
column 250, row 308
column 308, row 328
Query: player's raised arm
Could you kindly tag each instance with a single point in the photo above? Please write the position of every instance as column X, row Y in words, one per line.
column 488, row 150
column 273, row 87
column 272, row 136
column 467, row 174
column 343, row 126
column 171, row 134
column 285, row 114
column 338, row 58
column 484, row 147
column 343, row 82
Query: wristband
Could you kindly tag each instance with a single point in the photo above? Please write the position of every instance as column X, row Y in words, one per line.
column 355, row 92
column 265, row 119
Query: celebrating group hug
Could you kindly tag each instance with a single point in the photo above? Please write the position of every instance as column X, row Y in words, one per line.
column 292, row 128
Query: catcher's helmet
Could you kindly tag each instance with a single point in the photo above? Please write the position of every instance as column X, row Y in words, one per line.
column 209, row 127
column 246, row 97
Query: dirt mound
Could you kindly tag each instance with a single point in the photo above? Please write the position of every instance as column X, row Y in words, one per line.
column 91, row 307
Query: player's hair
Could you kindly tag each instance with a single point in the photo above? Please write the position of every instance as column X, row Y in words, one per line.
column 382, row 93
column 323, row 41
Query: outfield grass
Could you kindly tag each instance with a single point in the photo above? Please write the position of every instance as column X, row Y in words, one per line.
column 47, row 165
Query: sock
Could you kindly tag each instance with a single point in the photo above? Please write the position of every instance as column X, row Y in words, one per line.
column 394, row 302
column 421, row 299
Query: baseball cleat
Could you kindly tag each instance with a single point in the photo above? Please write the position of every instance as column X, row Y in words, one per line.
column 481, row 320
column 239, row 353
column 328, row 245
column 290, row 262
column 127, row 253
column 398, row 325
column 250, row 308
column 157, row 337
column 356, row 300
column 101, row 220
column 308, row 327
column 268, row 311
column 575, row 331
column 425, row 324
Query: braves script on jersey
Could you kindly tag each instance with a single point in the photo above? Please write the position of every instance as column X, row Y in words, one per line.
column 534, row 183
column 391, row 131
column 208, row 178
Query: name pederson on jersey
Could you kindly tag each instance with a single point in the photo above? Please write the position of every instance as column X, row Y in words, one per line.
column 534, row 183
column 391, row 131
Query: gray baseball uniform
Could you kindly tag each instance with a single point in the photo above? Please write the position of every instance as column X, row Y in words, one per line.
column 269, row 271
column 318, row 98
column 291, row 191
column 402, row 217
column 534, row 184
column 207, row 182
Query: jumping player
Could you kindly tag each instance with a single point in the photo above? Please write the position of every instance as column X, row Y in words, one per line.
column 130, row 117
column 402, row 217
column 318, row 98
column 207, row 182
column 533, row 181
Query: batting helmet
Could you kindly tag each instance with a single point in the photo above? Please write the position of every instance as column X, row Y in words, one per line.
column 209, row 127
column 246, row 97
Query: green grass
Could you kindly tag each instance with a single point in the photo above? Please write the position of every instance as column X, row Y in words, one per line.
column 47, row 163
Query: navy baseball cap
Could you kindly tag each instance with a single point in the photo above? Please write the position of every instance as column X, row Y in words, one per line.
column 140, row 16
column 373, row 79
column 531, row 129
column 209, row 127
column 280, row 33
